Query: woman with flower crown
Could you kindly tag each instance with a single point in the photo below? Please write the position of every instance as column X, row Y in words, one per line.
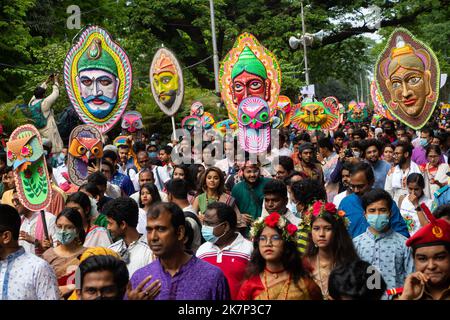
column 329, row 244
column 275, row 271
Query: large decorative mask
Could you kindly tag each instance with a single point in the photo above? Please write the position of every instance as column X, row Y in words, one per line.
column 407, row 75
column 26, row 155
column 315, row 115
column 132, row 122
column 85, row 148
column 254, row 124
column 379, row 108
column 247, row 70
column 98, row 78
column 166, row 79
column 357, row 112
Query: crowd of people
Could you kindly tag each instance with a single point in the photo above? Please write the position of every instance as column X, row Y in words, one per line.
column 362, row 212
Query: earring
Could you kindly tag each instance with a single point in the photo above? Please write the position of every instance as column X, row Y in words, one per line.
column 315, row 245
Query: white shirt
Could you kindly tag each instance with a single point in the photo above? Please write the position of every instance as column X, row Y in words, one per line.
column 162, row 175
column 112, row 190
column 396, row 181
column 239, row 247
column 28, row 277
column 339, row 197
column 409, row 213
column 29, row 226
column 137, row 255
column 142, row 222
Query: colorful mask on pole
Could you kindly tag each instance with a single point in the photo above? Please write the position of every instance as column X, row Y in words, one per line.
column 26, row 155
column 224, row 126
column 379, row 107
column 98, row 78
column 166, row 79
column 284, row 104
column 132, row 122
column 314, row 115
column 407, row 74
column 191, row 123
column 85, row 148
column 254, row 124
column 357, row 112
column 247, row 70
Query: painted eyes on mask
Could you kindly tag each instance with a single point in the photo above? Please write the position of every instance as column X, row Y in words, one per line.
column 245, row 119
column 95, row 150
column 263, row 116
column 87, row 82
column 81, row 150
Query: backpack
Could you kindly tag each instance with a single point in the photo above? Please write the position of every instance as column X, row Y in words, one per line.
column 34, row 111
column 68, row 119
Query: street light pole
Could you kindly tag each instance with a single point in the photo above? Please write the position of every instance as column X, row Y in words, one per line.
column 215, row 53
column 304, row 45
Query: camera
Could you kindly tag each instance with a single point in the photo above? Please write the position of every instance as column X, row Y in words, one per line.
column 348, row 153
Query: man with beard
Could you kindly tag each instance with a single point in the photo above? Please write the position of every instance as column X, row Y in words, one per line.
column 404, row 166
column 431, row 253
column 123, row 216
column 249, row 194
column 361, row 182
column 306, row 164
column 371, row 151
column 345, row 181
column 179, row 275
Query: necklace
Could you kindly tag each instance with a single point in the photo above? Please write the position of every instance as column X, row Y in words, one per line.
column 267, row 288
column 274, row 273
column 324, row 292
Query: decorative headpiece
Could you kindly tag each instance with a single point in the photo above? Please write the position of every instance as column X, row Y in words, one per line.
column 319, row 209
column 275, row 220
column 164, row 64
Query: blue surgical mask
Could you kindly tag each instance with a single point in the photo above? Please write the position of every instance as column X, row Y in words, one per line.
column 423, row 142
column 152, row 154
column 208, row 234
column 65, row 236
column 378, row 221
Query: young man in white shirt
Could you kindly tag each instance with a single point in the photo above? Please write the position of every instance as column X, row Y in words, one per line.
column 345, row 173
column 404, row 166
column 123, row 215
column 32, row 236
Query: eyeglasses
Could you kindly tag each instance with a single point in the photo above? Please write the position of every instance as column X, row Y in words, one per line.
column 275, row 239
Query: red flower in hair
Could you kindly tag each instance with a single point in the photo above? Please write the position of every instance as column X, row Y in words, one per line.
column 316, row 208
column 27, row 174
column 291, row 229
column 330, row 207
column 272, row 220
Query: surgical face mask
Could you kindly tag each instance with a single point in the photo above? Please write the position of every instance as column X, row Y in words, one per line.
column 152, row 155
column 423, row 142
column 356, row 154
column 65, row 236
column 208, row 233
column 378, row 221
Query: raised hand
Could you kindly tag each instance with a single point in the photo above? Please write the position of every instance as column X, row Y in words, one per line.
column 140, row 293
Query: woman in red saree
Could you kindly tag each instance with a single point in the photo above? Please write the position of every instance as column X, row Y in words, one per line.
column 275, row 270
